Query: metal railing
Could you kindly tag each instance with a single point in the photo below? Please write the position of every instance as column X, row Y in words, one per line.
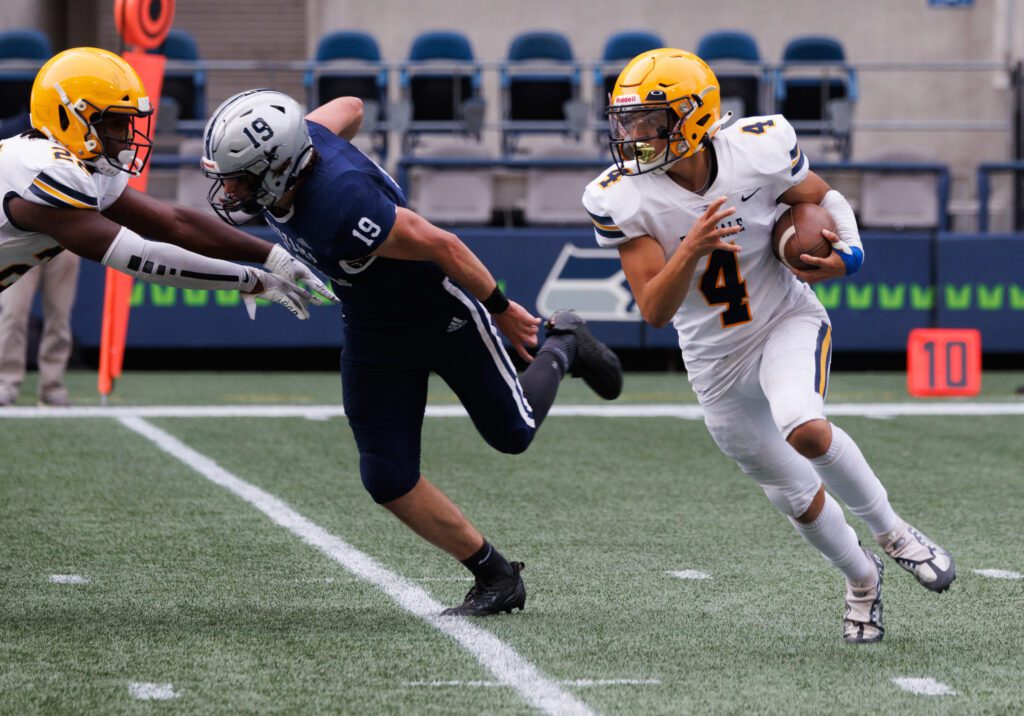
column 985, row 171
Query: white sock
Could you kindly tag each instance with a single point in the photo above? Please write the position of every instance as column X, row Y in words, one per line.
column 845, row 472
column 837, row 542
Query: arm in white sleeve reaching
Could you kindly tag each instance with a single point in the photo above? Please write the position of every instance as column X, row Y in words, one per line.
column 174, row 266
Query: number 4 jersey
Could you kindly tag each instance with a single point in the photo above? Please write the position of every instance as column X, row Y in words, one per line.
column 43, row 172
column 732, row 298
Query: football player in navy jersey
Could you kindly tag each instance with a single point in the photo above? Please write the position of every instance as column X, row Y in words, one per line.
column 415, row 300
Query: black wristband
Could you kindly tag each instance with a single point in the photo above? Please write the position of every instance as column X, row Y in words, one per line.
column 496, row 302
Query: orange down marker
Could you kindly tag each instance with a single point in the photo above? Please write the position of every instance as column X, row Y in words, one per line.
column 943, row 362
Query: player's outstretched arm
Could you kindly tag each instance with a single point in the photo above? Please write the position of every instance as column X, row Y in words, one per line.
column 204, row 234
column 414, row 238
column 342, row 115
column 93, row 236
column 660, row 286
column 185, row 227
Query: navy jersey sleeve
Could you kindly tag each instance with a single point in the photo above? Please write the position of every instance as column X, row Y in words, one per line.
column 367, row 217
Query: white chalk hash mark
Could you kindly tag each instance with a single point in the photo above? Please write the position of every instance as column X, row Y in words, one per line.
column 926, row 686
column 999, row 574
column 68, row 579
column 689, row 574
column 147, row 691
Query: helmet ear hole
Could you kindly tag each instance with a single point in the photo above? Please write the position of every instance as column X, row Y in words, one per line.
column 62, row 117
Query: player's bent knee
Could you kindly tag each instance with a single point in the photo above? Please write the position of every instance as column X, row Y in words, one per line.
column 795, row 503
column 386, row 481
column 812, row 438
column 814, row 509
column 511, row 442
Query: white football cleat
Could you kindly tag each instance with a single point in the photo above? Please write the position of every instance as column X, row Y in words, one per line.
column 862, row 623
column 931, row 565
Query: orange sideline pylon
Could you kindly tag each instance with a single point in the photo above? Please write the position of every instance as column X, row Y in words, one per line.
column 118, row 288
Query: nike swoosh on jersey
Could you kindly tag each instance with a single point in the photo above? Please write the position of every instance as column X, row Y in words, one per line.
column 744, row 198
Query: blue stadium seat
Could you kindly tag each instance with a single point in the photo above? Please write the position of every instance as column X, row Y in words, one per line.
column 737, row 63
column 440, row 75
column 348, row 63
column 804, row 99
column 20, row 46
column 619, row 49
column 728, row 45
column 355, row 70
column 187, row 87
column 539, row 77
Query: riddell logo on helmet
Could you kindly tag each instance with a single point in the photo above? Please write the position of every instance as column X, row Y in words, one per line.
column 628, row 99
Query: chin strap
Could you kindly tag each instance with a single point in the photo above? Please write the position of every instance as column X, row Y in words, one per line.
column 713, row 129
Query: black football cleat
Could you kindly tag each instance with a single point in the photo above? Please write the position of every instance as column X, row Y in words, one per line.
column 501, row 594
column 595, row 362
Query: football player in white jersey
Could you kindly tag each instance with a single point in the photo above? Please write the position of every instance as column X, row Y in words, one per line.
column 64, row 185
column 690, row 208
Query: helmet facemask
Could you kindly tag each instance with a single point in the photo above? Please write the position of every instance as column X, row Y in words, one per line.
column 238, row 210
column 120, row 143
column 259, row 178
column 648, row 137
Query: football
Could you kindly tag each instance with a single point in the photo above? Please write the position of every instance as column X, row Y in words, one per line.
column 798, row 231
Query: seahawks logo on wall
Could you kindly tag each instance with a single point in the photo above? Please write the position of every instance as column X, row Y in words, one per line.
column 592, row 282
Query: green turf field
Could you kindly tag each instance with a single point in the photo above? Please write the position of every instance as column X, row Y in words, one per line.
column 197, row 592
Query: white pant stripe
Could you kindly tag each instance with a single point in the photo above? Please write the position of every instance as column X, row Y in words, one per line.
column 497, row 351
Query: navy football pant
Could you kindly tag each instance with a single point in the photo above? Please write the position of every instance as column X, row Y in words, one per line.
column 384, row 375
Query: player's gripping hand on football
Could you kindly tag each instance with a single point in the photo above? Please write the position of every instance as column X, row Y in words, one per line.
column 284, row 265
column 832, row 266
column 279, row 290
column 520, row 327
column 706, row 235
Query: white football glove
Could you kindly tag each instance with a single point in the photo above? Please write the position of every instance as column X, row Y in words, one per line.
column 283, row 264
column 279, row 290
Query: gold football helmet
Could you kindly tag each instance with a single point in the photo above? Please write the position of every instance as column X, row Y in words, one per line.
column 89, row 100
column 665, row 106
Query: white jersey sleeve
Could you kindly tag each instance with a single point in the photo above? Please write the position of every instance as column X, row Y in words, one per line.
column 43, row 172
column 771, row 144
column 613, row 206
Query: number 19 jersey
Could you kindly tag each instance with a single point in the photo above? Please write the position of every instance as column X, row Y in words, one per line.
column 732, row 298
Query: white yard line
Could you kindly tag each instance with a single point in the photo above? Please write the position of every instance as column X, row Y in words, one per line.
column 325, row 412
column 578, row 683
column 507, row 666
column 926, row 686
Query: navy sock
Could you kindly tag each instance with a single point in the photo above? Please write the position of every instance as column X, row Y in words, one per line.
column 487, row 563
column 563, row 348
column 541, row 379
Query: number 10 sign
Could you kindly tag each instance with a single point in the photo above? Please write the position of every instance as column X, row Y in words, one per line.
column 944, row 361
